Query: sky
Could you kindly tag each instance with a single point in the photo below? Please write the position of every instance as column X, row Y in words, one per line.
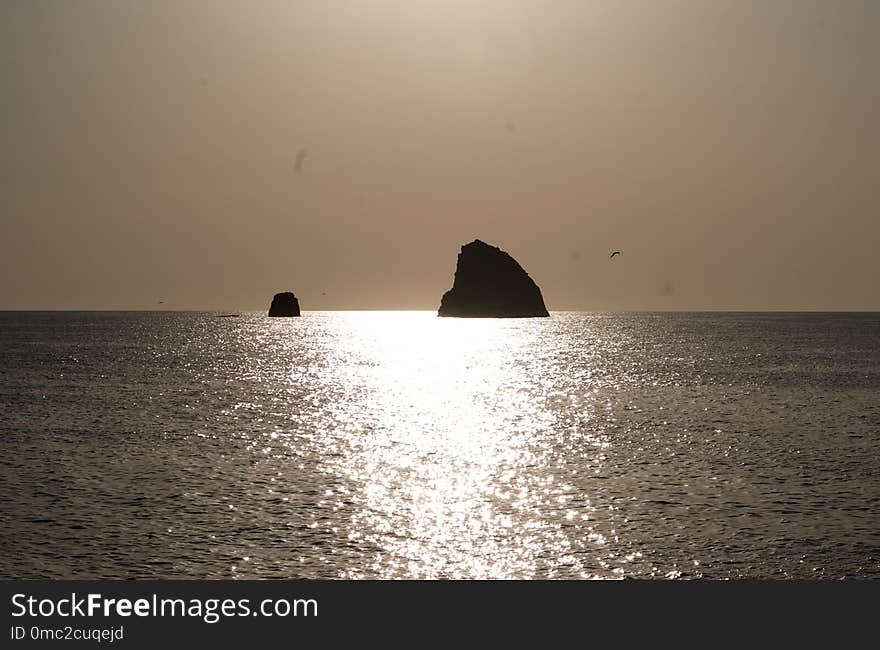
column 208, row 154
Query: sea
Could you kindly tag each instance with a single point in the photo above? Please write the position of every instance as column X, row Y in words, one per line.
column 380, row 445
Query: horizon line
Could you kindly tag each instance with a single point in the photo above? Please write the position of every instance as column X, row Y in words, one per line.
column 759, row 310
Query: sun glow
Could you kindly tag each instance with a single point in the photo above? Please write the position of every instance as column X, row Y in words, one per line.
column 451, row 469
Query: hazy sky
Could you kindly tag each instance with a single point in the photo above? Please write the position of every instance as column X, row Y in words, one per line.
column 209, row 154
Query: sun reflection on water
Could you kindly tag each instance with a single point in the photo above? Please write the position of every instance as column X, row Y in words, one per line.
column 455, row 464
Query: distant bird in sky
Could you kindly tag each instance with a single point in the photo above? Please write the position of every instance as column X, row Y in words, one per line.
column 161, row 302
column 615, row 253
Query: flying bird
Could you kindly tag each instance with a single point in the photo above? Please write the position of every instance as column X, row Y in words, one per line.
column 615, row 253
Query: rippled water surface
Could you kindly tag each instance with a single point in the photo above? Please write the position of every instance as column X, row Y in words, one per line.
column 399, row 444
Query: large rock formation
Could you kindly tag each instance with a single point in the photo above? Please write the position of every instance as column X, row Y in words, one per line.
column 489, row 283
column 284, row 304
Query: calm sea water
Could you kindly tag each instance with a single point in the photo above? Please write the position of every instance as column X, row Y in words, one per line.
column 398, row 444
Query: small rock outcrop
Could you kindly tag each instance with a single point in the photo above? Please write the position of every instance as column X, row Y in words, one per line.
column 489, row 283
column 284, row 304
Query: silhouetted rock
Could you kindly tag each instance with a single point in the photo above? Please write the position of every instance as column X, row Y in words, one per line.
column 284, row 304
column 489, row 283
